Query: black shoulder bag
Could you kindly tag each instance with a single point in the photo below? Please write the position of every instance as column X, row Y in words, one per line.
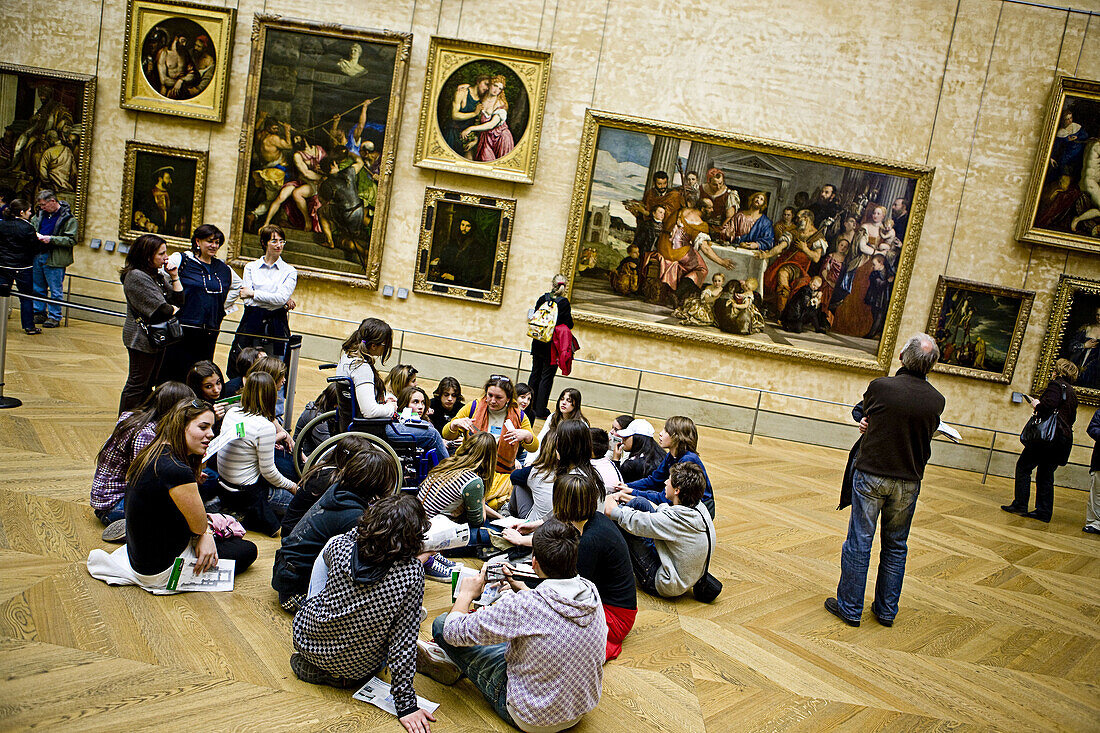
column 707, row 588
column 161, row 335
column 1043, row 430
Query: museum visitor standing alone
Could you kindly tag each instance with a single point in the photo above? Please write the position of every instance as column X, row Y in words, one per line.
column 542, row 366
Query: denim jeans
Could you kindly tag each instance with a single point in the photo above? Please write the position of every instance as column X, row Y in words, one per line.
column 23, row 280
column 279, row 500
column 48, row 283
column 110, row 514
column 643, row 553
column 484, row 665
column 425, row 435
column 895, row 500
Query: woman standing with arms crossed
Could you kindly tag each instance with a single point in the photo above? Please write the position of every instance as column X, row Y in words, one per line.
column 210, row 287
column 542, row 371
column 152, row 295
column 266, row 289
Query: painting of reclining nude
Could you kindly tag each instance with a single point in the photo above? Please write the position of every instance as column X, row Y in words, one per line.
column 1063, row 203
column 320, row 131
column 683, row 233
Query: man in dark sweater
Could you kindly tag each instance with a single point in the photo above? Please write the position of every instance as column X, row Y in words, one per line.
column 901, row 414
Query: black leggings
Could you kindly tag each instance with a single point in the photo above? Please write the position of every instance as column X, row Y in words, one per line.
column 238, row 549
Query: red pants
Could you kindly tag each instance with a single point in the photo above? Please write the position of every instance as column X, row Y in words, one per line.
column 619, row 623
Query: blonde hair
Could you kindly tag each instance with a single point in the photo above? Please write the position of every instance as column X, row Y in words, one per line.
column 478, row 453
column 1067, row 370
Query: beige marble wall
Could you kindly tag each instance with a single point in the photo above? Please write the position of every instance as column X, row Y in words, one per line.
column 956, row 85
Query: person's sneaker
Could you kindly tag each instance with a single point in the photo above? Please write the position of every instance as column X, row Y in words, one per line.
column 50, row 323
column 116, row 531
column 1090, row 529
column 39, row 318
column 432, row 661
column 438, row 568
column 32, row 331
column 832, row 607
column 309, row 672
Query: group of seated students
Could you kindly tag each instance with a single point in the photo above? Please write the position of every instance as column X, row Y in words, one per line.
column 600, row 513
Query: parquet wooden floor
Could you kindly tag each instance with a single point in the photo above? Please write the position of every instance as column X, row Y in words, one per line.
column 998, row 630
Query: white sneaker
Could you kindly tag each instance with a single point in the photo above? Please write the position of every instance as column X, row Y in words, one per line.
column 438, row 568
column 432, row 661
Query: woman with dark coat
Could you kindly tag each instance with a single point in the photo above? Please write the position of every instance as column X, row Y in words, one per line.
column 18, row 246
column 542, row 371
column 1045, row 456
column 153, row 294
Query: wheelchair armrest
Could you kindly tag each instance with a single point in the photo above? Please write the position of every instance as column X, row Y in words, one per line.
column 330, row 365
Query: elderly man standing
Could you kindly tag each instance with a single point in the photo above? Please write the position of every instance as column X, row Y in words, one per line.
column 56, row 227
column 901, row 414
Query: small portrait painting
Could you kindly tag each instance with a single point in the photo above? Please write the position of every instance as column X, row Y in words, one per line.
column 1074, row 334
column 979, row 328
column 176, row 58
column 46, row 118
column 163, row 191
column 463, row 245
column 1063, row 205
column 482, row 109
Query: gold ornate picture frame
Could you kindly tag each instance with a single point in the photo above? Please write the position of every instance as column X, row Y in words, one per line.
column 1073, row 333
column 176, row 58
column 620, row 200
column 1062, row 208
column 52, row 118
column 318, row 145
column 979, row 328
column 163, row 192
column 464, row 241
column 482, row 109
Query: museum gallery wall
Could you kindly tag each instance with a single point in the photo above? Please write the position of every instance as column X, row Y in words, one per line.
column 962, row 90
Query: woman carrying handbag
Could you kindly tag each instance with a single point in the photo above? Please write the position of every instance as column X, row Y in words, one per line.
column 1047, row 439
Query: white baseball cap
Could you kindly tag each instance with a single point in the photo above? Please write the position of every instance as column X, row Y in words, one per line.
column 637, row 427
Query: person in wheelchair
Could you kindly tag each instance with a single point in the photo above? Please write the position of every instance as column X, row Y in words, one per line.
column 374, row 340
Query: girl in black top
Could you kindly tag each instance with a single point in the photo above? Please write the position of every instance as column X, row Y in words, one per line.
column 542, row 371
column 164, row 512
column 446, row 402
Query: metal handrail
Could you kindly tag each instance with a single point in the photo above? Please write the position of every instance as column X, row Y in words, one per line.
column 642, row 372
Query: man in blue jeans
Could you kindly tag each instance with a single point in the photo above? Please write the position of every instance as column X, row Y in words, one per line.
column 56, row 227
column 900, row 416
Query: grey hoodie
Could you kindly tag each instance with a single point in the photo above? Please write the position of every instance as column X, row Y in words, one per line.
column 678, row 533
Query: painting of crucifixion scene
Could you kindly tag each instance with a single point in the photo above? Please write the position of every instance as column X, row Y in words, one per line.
column 718, row 238
column 322, row 134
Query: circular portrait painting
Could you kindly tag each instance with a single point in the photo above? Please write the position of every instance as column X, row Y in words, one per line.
column 483, row 110
column 178, row 58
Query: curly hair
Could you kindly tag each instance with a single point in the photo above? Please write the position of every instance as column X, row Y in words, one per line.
column 390, row 530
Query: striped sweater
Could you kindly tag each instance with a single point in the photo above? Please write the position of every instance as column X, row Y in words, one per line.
column 462, row 494
column 243, row 460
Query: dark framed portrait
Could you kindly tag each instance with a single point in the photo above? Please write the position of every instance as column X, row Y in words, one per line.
column 1062, row 208
column 163, row 192
column 979, row 328
column 701, row 235
column 176, row 58
column 464, row 240
column 320, row 134
column 47, row 122
column 1073, row 333
column 482, row 109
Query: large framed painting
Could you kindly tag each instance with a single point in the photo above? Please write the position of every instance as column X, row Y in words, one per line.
column 47, row 121
column 1073, row 333
column 322, row 110
column 698, row 235
column 979, row 328
column 1062, row 207
column 163, row 192
column 482, row 109
column 464, row 241
column 176, row 58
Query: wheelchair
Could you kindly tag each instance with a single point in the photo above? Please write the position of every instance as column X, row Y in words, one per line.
column 413, row 461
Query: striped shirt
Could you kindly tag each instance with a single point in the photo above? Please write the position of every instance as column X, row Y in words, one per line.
column 242, row 461
column 464, row 491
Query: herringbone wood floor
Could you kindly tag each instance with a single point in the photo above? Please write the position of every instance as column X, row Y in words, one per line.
column 998, row 627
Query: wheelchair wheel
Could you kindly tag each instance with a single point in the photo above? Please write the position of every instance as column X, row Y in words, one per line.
column 330, row 442
column 299, row 459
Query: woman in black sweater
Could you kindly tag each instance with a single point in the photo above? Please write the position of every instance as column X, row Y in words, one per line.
column 153, row 294
column 542, row 371
column 18, row 246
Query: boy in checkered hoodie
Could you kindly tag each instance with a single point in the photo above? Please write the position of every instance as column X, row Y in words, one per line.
column 543, row 667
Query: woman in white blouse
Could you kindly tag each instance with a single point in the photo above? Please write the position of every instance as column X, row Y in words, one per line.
column 267, row 290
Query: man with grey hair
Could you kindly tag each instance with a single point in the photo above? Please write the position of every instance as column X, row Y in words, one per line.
column 901, row 414
column 56, row 227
